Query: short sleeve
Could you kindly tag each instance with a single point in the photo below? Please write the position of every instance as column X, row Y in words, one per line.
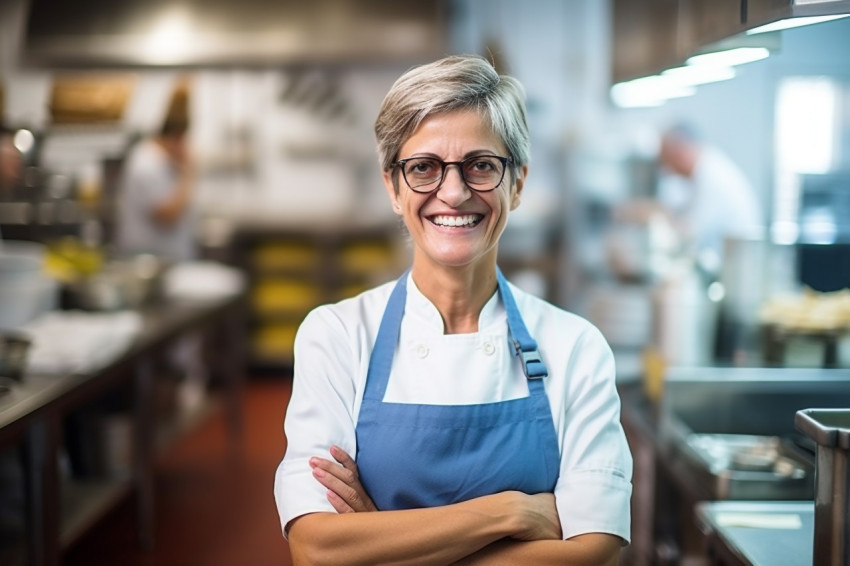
column 594, row 488
column 319, row 413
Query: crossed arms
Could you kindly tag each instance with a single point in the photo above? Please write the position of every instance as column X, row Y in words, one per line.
column 503, row 528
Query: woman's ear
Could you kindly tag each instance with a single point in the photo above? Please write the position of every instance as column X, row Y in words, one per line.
column 519, row 183
column 387, row 176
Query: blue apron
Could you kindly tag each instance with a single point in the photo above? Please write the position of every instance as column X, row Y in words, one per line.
column 413, row 456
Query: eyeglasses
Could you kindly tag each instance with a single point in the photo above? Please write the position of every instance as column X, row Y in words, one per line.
column 481, row 173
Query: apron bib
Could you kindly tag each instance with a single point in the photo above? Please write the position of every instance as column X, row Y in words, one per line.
column 413, row 456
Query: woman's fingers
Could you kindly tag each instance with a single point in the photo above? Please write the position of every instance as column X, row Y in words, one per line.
column 341, row 495
column 339, row 503
column 345, row 492
column 333, row 469
column 344, row 459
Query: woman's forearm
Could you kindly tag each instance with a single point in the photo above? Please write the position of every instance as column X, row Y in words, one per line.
column 595, row 549
column 438, row 535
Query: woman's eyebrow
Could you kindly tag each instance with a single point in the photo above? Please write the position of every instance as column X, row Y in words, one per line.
column 470, row 153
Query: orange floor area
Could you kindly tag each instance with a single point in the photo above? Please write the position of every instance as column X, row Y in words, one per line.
column 211, row 509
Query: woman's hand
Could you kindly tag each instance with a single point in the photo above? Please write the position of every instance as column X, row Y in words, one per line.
column 342, row 479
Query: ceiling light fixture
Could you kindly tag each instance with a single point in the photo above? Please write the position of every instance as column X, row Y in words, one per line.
column 730, row 57
column 789, row 23
column 169, row 39
column 648, row 91
column 692, row 75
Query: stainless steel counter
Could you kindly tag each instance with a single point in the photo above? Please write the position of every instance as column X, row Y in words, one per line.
column 756, row 401
column 31, row 416
column 758, row 533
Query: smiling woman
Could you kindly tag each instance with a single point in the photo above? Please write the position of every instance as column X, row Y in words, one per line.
column 461, row 418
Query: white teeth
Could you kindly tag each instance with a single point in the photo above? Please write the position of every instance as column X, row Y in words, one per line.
column 455, row 220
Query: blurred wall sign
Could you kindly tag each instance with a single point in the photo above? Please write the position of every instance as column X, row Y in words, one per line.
column 90, row 99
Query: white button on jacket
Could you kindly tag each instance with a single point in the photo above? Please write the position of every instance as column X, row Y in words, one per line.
column 488, row 348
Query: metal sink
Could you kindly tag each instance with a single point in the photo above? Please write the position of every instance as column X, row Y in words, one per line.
column 719, row 424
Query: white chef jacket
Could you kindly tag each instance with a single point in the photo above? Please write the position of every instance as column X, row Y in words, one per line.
column 332, row 351
column 149, row 178
column 721, row 203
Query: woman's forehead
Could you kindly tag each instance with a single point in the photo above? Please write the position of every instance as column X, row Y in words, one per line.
column 456, row 131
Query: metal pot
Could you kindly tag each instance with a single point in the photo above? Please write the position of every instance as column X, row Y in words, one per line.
column 124, row 284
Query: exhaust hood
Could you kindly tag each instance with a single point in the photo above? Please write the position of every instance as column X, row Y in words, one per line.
column 227, row 32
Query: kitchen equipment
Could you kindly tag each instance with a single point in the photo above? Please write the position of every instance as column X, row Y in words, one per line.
column 684, row 320
column 14, row 347
column 752, row 467
column 803, row 348
column 810, row 323
column 622, row 312
column 830, row 429
column 754, row 271
column 714, row 421
column 334, row 32
column 25, row 290
column 122, row 284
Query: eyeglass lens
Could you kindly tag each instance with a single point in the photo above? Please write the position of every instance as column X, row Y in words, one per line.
column 481, row 172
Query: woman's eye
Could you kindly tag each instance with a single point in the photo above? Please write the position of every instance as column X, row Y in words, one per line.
column 481, row 166
column 422, row 167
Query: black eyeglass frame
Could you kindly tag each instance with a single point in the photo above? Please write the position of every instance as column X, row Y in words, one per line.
column 505, row 161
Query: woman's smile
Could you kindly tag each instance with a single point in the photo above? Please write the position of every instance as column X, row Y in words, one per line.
column 456, row 220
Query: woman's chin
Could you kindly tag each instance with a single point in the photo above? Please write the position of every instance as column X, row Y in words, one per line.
column 455, row 256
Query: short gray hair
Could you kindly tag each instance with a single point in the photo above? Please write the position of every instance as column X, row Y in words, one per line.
column 458, row 82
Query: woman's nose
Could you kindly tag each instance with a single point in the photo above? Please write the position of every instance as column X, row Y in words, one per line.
column 453, row 189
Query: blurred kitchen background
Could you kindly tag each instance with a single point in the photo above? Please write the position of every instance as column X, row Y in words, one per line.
column 281, row 97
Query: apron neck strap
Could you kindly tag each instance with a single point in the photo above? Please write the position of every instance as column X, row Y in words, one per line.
column 525, row 347
column 381, row 360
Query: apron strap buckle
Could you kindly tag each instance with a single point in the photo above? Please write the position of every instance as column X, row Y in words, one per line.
column 532, row 364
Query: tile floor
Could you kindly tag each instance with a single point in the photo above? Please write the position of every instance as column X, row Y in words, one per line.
column 211, row 509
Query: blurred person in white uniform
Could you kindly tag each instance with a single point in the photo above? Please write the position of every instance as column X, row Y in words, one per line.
column 155, row 207
column 704, row 195
column 449, row 416
column 157, row 215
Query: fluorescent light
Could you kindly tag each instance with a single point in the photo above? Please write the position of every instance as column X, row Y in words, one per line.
column 648, row 91
column 806, row 120
column 730, row 57
column 692, row 75
column 794, row 22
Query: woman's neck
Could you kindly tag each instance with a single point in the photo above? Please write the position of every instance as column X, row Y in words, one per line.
column 458, row 293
